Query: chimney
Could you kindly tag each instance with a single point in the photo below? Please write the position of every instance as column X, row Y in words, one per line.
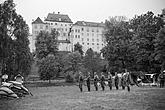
column 53, row 12
column 58, row 12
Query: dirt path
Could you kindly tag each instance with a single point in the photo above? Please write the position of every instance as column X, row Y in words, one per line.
column 69, row 98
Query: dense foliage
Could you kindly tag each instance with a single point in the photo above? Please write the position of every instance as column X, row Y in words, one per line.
column 160, row 48
column 48, row 68
column 46, row 54
column 78, row 47
column 93, row 62
column 131, row 44
column 46, row 43
column 72, row 65
column 15, row 54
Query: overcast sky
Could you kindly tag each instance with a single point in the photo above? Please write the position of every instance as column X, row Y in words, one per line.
column 86, row 10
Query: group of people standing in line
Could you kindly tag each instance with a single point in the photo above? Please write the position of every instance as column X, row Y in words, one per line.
column 96, row 80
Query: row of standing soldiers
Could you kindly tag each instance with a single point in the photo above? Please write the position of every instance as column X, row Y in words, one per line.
column 102, row 79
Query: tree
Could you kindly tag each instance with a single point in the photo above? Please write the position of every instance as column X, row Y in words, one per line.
column 46, row 43
column 15, row 54
column 72, row 64
column 92, row 61
column 145, row 28
column 160, row 48
column 118, row 50
column 48, row 68
column 78, row 47
column 47, row 51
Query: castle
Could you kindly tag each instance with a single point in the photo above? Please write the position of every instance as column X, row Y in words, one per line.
column 87, row 34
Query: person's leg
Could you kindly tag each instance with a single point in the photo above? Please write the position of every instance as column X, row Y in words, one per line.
column 96, row 88
column 80, row 86
column 160, row 83
column 163, row 84
column 123, row 87
column 81, row 89
column 128, row 88
column 88, row 88
column 103, row 87
column 110, row 87
column 116, row 86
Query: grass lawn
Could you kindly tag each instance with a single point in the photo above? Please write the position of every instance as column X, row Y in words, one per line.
column 70, row 98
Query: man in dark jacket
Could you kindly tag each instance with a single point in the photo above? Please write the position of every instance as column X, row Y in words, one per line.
column 127, row 79
column 96, row 80
column 110, row 80
column 116, row 81
column 81, row 81
column 102, row 81
column 88, row 79
column 162, row 79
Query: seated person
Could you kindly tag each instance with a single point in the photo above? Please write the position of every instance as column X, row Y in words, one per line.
column 19, row 78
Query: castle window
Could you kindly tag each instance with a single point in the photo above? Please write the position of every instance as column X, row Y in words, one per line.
column 35, row 26
column 87, row 29
column 82, row 29
column 41, row 27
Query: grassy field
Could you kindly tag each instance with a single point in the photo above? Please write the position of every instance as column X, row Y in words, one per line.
column 69, row 98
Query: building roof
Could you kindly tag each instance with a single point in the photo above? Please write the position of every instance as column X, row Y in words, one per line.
column 91, row 24
column 63, row 41
column 58, row 18
column 38, row 21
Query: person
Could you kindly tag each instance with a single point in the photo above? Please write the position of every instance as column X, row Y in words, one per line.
column 161, row 79
column 96, row 79
column 4, row 78
column 127, row 80
column 110, row 80
column 102, row 81
column 88, row 79
column 81, row 81
column 123, row 83
column 116, row 81
column 19, row 78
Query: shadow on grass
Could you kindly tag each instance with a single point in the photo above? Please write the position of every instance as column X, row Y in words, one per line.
column 47, row 84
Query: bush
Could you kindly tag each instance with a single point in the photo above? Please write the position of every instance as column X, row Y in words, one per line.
column 69, row 77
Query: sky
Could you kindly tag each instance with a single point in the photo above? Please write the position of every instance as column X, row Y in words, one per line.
column 86, row 10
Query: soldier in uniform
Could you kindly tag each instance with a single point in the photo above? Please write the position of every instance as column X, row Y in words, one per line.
column 96, row 79
column 116, row 81
column 102, row 81
column 161, row 79
column 127, row 80
column 81, row 81
column 88, row 80
column 110, row 80
column 123, row 83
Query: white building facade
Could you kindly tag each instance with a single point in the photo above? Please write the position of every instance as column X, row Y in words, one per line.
column 59, row 22
column 37, row 26
column 89, row 35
